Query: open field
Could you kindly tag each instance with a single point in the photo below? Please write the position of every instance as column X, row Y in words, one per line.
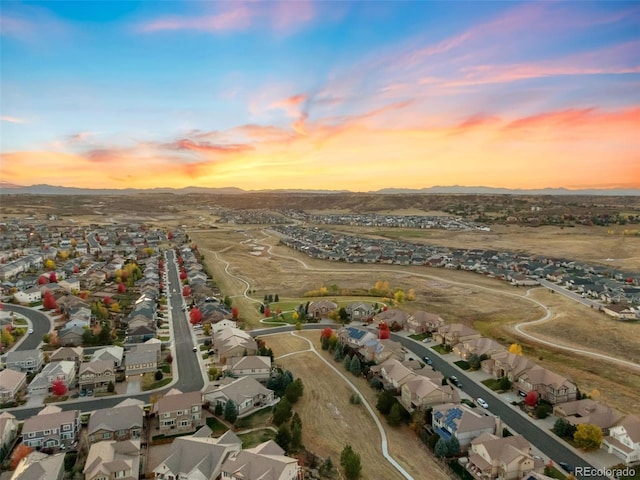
column 330, row 421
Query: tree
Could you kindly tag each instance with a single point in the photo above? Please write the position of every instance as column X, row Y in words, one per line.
column 386, row 400
column 399, row 296
column 346, row 363
column 474, row 362
column 186, row 291
column 58, row 388
column 327, row 468
column 350, row 462
column 354, row 367
column 195, row 316
column 395, row 415
column 342, row 313
column 111, row 387
column 49, row 264
column 531, row 400
column 283, row 437
column 122, row 288
column 515, row 348
column 564, row 428
column 158, row 375
column 6, row 338
column 230, row 411
column 267, row 312
column 282, row 412
column 18, row 454
column 276, row 298
column 294, row 390
column 505, row 383
column 383, row 331
column 53, row 278
column 441, row 450
column 453, row 447
column 235, row 313
column 169, row 358
column 106, row 300
column 588, row 436
column 49, row 302
column 43, row 280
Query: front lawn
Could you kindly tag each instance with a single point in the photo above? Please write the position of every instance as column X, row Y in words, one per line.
column 256, row 437
column 441, row 349
column 463, row 364
column 216, row 426
column 492, row 383
column 257, row 419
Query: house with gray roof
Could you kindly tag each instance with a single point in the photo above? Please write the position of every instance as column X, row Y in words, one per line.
column 122, row 422
column 247, row 393
column 71, row 336
column 71, row 354
column 28, row 361
column 197, row 456
column 114, row 353
column 95, row 376
column 63, row 371
column 255, row 366
column 40, row 466
column 111, row 459
column 263, row 461
column 462, row 422
column 139, row 361
column 178, row 412
column 51, row 428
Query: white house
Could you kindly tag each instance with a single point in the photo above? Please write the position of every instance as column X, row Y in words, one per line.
column 31, row 295
column 624, row 439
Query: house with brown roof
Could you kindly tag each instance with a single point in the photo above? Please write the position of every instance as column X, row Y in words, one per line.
column 57, row 371
column 423, row 322
column 125, row 421
column 321, row 309
column 8, row 433
column 624, row 439
column 421, row 392
column 392, row 316
column 233, row 342
column 588, row 411
column 68, row 354
column 550, row 386
column 255, row 366
column 111, row 459
column 51, row 428
column 392, row 373
column 453, row 333
column 12, row 383
column 462, row 422
column 178, row 412
column 197, row 456
column 506, row 364
column 263, row 461
column 96, row 376
column 40, row 466
column 246, row 392
column 477, row 346
column 507, row 458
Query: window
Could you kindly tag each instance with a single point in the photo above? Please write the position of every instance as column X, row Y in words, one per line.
column 31, row 434
column 195, row 409
column 106, row 435
column 185, row 423
column 66, row 427
column 47, row 432
column 196, row 416
column 166, row 415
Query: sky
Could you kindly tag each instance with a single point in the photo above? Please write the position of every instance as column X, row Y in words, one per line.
column 325, row 95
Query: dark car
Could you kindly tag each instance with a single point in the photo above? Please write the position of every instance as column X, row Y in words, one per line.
column 453, row 379
column 427, row 360
column 567, row 467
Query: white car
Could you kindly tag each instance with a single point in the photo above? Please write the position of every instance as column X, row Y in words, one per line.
column 482, row 403
column 30, row 331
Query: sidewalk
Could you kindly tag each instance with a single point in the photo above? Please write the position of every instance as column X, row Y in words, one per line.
column 598, row 458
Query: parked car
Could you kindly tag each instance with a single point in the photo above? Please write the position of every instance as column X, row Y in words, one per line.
column 482, row 403
column 195, row 349
column 453, row 379
column 567, row 467
column 427, row 360
column 30, row 331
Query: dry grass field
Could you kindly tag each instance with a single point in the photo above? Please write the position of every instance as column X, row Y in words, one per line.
column 330, row 421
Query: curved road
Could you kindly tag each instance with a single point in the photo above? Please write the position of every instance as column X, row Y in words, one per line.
column 40, row 322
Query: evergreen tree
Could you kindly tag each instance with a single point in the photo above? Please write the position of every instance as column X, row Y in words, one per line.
column 276, row 298
column 453, row 447
column 441, row 448
column 354, row 366
column 386, row 400
column 230, row 411
column 337, row 354
column 350, row 462
column 347, row 362
column 294, row 391
column 283, row 437
column 282, row 412
column 395, row 415
column 296, row 435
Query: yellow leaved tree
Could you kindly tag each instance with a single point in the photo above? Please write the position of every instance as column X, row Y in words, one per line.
column 515, row 348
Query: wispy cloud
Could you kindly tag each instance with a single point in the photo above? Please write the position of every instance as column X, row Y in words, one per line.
column 9, row 119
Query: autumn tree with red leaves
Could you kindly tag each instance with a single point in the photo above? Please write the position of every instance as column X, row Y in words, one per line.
column 183, row 275
column 186, row 291
column 49, row 302
column 53, row 277
column 195, row 316
column 235, row 313
column 18, row 454
column 267, row 312
column 42, row 280
column 326, row 333
column 383, row 331
column 122, row 288
column 58, row 388
column 107, row 300
column 531, row 400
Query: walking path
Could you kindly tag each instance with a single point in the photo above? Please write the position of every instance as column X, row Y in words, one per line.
column 383, row 435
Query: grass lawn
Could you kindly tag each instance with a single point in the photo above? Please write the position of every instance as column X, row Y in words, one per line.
column 492, row 383
column 154, row 385
column 217, row 427
column 419, row 336
column 165, row 368
column 463, row 364
column 164, row 339
column 553, row 472
column 257, row 419
column 255, row 438
column 440, row 349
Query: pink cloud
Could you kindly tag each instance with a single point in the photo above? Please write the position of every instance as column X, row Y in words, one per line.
column 237, row 18
column 9, row 119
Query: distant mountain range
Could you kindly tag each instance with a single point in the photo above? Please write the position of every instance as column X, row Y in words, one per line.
column 43, row 189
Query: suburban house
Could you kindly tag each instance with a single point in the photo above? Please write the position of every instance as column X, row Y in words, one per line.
column 11, row 383
column 71, row 284
column 198, row 456
column 28, row 361
column 233, row 342
column 179, row 412
column 507, row 458
column 41, row 466
column 359, row 311
column 421, row 392
column 620, row 311
column 381, row 351
column 392, row 316
column 113, row 353
column 63, row 371
column 506, row 364
column 392, row 373
column 356, row 338
column 111, row 460
column 624, row 439
column 454, row 333
column 550, row 386
column 321, row 309
column 139, row 361
column 96, row 376
column 70, row 336
column 8, row 433
column 51, row 428
column 463, row 422
column 222, row 324
column 423, row 322
column 246, row 392
column 30, row 295
column 122, row 422
column 477, row 346
column 254, row 366
column 266, row 460
column 588, row 411
column 70, row 354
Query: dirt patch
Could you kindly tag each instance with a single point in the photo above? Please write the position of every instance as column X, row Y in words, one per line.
column 330, row 421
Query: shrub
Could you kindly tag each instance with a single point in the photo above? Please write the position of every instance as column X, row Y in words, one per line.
column 159, row 375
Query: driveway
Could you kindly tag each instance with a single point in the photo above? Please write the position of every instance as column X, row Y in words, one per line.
column 134, row 384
